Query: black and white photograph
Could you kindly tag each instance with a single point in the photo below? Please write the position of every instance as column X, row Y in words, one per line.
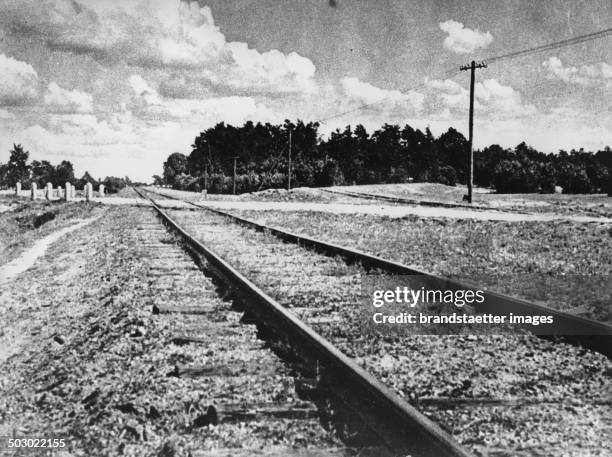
column 306, row 228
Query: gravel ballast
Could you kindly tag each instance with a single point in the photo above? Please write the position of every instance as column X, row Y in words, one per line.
column 510, row 395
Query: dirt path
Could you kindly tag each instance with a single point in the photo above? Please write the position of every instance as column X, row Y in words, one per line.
column 17, row 266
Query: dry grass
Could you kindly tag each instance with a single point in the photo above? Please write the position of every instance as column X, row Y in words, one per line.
column 562, row 264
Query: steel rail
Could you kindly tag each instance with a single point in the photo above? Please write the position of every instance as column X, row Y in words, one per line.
column 399, row 424
column 408, row 201
column 573, row 329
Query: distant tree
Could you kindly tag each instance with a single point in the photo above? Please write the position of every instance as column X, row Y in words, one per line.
column 174, row 166
column 389, row 154
column 385, row 153
column 64, row 172
column 602, row 170
column 452, row 150
column 17, row 167
column 446, row 175
column 548, row 177
column 42, row 172
column 423, row 158
column 113, row 184
column 509, row 177
column 86, row 178
column 605, row 157
column 187, row 182
column 3, row 175
column 157, row 180
column 485, row 162
column 573, row 178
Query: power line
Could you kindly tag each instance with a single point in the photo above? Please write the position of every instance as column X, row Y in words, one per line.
column 542, row 48
column 551, row 46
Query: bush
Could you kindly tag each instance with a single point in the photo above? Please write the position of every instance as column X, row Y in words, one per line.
column 112, row 184
column 447, row 175
column 574, row 178
column 512, row 176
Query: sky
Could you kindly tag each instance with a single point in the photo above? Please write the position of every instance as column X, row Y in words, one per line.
column 116, row 86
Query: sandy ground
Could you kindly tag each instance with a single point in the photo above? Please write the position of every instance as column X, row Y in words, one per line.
column 395, row 211
column 376, row 209
column 391, row 211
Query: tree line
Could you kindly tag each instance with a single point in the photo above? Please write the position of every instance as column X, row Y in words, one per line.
column 391, row 154
column 17, row 169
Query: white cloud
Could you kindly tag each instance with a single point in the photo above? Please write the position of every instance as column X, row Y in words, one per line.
column 502, row 100
column 18, row 82
column 449, row 93
column 462, row 40
column 367, row 93
column 162, row 34
column 6, row 115
column 63, row 100
column 498, row 101
column 147, row 103
column 105, row 149
column 145, row 100
column 585, row 75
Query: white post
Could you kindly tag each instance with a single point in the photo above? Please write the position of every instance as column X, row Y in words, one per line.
column 33, row 187
column 88, row 191
column 18, row 189
column 68, row 195
column 101, row 190
column 49, row 191
column 59, row 192
column 72, row 191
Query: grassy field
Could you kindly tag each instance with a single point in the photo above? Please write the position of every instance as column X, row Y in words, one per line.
column 27, row 221
column 565, row 265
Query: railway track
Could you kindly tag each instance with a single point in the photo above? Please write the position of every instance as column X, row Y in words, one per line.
column 408, row 201
column 438, row 204
column 220, row 357
column 353, row 397
column 485, row 391
column 572, row 328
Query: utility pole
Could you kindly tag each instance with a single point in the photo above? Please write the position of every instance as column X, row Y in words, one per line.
column 472, row 67
column 206, row 178
column 206, row 170
column 235, row 158
column 289, row 175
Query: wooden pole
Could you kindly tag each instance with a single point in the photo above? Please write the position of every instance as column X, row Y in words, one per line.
column 289, row 175
column 471, row 127
column 206, row 170
column 206, row 178
column 235, row 175
column 472, row 67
